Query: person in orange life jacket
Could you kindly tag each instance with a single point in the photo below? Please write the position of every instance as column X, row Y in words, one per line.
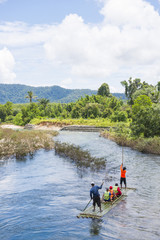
column 94, row 194
column 117, row 190
column 106, row 195
column 113, row 195
column 123, row 175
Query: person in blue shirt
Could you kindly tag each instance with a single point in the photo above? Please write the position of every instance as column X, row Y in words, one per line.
column 94, row 194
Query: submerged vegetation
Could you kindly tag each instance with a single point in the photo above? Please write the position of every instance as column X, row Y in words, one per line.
column 80, row 157
column 20, row 143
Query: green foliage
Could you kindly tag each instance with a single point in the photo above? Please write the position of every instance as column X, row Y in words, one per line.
column 18, row 119
column 145, row 118
column 158, row 86
column 131, row 87
column 91, row 110
column 30, row 96
column 119, row 116
column 3, row 112
column 16, row 93
column 149, row 91
column 104, row 90
column 97, row 110
column 43, row 102
column 29, row 112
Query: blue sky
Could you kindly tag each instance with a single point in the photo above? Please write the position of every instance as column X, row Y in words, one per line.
column 79, row 44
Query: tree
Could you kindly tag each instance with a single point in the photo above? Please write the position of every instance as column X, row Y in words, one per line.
column 43, row 102
column 9, row 108
column 91, row 110
column 130, row 87
column 158, row 86
column 144, row 117
column 30, row 96
column 119, row 116
column 104, row 90
column 3, row 113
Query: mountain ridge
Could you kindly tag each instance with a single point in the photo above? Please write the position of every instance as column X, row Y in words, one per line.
column 17, row 93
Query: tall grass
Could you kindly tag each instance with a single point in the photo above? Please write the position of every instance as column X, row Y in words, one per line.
column 20, row 143
column 80, row 157
column 144, row 145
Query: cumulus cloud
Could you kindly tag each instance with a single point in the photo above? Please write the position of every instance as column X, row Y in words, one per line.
column 19, row 34
column 7, row 63
column 125, row 44
column 127, row 39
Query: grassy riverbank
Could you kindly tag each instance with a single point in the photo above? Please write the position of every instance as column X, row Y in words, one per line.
column 97, row 122
column 144, row 145
column 21, row 143
column 121, row 132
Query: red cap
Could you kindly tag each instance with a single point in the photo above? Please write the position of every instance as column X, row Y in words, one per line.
column 110, row 187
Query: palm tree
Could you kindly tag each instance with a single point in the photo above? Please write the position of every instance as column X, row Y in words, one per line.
column 44, row 102
column 30, row 96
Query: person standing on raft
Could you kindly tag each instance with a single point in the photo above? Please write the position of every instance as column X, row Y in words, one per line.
column 123, row 175
column 94, row 194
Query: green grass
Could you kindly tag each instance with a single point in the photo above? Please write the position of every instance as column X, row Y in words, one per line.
column 98, row 122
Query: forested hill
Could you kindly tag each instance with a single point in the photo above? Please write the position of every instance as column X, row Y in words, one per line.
column 17, row 93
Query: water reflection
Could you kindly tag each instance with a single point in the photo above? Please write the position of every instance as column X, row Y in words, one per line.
column 95, row 226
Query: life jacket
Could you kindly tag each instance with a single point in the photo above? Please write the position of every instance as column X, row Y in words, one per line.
column 106, row 195
column 112, row 193
column 115, row 189
column 123, row 172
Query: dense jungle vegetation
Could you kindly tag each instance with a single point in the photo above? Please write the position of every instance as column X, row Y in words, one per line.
column 137, row 118
column 16, row 93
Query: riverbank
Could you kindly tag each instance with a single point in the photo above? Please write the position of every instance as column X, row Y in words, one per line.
column 144, row 145
column 34, row 127
column 20, row 143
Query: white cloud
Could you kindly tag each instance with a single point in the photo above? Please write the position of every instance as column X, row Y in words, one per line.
column 66, row 82
column 1, row 1
column 7, row 63
column 126, row 44
column 127, row 39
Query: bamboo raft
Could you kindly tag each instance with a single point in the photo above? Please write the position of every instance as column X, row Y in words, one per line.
column 105, row 206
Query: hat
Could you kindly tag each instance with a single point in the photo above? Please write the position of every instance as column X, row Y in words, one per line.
column 110, row 187
column 92, row 183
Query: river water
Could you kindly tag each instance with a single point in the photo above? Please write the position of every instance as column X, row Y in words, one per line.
column 41, row 196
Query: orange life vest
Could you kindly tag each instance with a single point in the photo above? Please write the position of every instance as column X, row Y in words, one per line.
column 112, row 193
column 123, row 172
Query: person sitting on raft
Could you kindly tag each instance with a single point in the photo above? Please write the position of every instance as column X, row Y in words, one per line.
column 113, row 195
column 117, row 190
column 106, row 196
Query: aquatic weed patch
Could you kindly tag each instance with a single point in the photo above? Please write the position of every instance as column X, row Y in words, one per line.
column 82, row 158
column 20, row 143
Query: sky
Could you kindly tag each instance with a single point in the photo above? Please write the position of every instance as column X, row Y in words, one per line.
column 79, row 44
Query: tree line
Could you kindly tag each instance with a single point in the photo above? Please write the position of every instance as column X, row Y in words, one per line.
column 141, row 110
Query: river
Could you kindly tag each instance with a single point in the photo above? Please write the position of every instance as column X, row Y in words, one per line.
column 40, row 196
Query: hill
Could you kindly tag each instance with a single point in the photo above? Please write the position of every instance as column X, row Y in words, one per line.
column 17, row 93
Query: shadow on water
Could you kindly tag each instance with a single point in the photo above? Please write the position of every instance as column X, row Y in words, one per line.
column 95, row 226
